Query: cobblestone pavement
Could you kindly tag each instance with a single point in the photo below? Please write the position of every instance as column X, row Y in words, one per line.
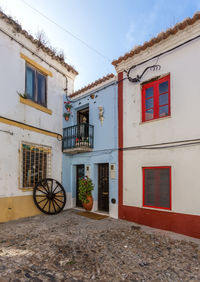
column 69, row 247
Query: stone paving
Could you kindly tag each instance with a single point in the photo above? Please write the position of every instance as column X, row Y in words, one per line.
column 69, row 247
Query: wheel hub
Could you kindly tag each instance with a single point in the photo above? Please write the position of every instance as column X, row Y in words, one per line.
column 50, row 196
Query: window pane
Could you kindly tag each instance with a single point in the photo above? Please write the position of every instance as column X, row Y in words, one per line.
column 30, row 83
column 41, row 87
column 163, row 111
column 163, row 99
column 149, row 103
column 157, row 187
column 163, row 87
column 149, row 92
column 149, row 114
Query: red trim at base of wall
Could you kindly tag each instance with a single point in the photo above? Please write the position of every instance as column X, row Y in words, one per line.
column 176, row 222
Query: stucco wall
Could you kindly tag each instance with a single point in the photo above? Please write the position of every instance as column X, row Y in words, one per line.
column 12, row 73
column 105, row 144
column 10, row 165
column 183, row 66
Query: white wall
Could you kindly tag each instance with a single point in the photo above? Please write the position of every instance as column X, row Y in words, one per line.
column 183, row 66
column 185, row 171
column 12, row 79
column 10, row 166
column 183, row 124
column 12, row 73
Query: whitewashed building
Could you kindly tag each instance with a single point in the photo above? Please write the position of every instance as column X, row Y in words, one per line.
column 32, row 83
column 159, row 132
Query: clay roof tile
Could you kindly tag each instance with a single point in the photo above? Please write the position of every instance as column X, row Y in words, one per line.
column 91, row 85
column 161, row 36
column 18, row 29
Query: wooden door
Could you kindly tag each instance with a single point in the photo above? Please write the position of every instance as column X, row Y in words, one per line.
column 103, row 187
column 80, row 172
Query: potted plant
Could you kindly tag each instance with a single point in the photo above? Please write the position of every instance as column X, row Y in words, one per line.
column 66, row 116
column 24, row 95
column 68, row 106
column 85, row 189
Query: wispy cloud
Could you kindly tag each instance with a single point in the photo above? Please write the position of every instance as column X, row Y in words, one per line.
column 142, row 28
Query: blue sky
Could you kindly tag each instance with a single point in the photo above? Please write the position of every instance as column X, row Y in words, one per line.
column 113, row 27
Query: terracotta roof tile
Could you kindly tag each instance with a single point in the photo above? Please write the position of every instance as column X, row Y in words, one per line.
column 91, row 85
column 161, row 36
column 17, row 28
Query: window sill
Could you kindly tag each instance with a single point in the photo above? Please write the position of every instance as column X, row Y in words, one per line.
column 28, row 189
column 153, row 120
column 32, row 104
column 157, row 209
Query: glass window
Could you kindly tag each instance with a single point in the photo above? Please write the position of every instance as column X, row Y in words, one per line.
column 149, row 114
column 163, row 111
column 163, row 99
column 149, row 103
column 149, row 92
column 30, row 83
column 156, row 99
column 36, row 85
column 41, row 82
column 163, row 87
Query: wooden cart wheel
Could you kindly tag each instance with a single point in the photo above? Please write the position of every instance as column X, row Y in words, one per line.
column 49, row 196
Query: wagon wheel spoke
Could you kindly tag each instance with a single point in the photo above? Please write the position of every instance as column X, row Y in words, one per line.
column 46, row 182
column 51, row 185
column 56, row 204
column 52, row 194
column 53, row 206
column 41, row 191
column 45, row 205
column 55, row 188
column 58, row 200
column 42, row 201
column 58, row 192
column 45, row 188
column 49, row 206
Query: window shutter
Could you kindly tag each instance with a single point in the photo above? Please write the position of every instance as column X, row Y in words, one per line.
column 157, row 187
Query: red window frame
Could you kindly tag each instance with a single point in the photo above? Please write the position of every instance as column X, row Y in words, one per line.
column 170, row 180
column 155, row 85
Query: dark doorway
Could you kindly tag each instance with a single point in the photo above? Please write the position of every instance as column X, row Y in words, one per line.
column 80, row 172
column 83, row 116
column 103, row 187
column 83, row 129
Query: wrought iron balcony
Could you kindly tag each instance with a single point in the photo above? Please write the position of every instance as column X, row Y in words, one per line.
column 78, row 138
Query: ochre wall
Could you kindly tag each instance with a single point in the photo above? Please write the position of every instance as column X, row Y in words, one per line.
column 17, row 207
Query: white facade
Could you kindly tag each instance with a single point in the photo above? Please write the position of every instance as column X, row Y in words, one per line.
column 12, row 135
column 182, row 125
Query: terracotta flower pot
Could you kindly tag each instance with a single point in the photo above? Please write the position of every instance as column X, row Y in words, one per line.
column 89, row 204
column 67, row 118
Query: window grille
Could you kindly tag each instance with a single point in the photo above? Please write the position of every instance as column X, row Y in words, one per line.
column 36, row 164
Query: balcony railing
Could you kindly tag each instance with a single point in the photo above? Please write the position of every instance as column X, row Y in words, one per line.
column 78, row 138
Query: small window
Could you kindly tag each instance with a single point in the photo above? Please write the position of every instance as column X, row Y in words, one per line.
column 156, row 99
column 35, row 164
column 157, row 187
column 36, row 85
